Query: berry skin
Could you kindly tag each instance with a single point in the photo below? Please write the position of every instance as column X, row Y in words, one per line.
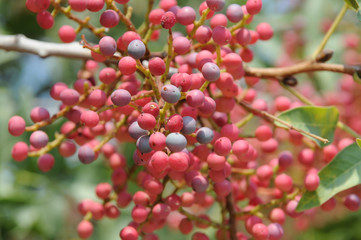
column 211, row 71
column 263, row 133
column 143, row 144
column 234, row 13
column 69, row 97
column 109, row 18
column 19, row 152
column 156, row 66
column 204, row 135
column 277, row 215
column 85, row 229
column 352, row 202
column 89, row 118
column 46, row 162
column 39, row 139
column 107, row 75
column 127, row 65
column 94, row 5
column 168, row 20
column 159, row 161
column 312, row 181
column 260, row 231
column 120, row 97
column 135, row 131
column 157, row 141
column 136, row 49
column 107, row 46
column 216, row 5
column 37, row 5
column 103, row 190
column 16, row 125
column 254, row 6
column 222, row 146
column 146, row 121
column 45, row 20
column 170, row 93
column 86, row 154
column 155, row 16
column 221, row 35
column 77, row 5
column 67, row 34
column 178, row 161
column 181, row 45
column 199, row 184
column 284, row 182
column 189, row 125
column 264, row 31
column 176, row 142
column 186, row 15
column 275, row 231
column 67, row 148
column 175, row 123
column 216, row 162
column 203, row 34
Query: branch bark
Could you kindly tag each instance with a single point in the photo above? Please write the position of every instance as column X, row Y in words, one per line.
column 20, row 43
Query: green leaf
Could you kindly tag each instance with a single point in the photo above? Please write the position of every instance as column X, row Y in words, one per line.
column 321, row 121
column 358, row 141
column 341, row 173
column 353, row 4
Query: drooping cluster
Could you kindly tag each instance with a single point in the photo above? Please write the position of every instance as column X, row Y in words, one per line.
column 193, row 114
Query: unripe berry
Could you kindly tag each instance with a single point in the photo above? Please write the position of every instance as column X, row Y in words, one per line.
column 216, row 5
column 284, row 182
column 312, row 180
column 46, row 162
column 254, row 6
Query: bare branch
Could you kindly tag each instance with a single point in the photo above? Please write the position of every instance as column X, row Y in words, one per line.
column 20, row 43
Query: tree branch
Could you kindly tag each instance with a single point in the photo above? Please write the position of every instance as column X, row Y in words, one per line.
column 20, row 43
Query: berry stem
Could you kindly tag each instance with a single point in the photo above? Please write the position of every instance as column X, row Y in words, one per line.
column 330, row 31
column 201, row 220
column 110, row 135
column 232, row 217
column 169, row 57
column 245, row 120
column 198, row 23
column 150, row 78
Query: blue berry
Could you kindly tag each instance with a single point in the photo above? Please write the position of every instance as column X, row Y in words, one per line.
column 136, row 49
column 176, row 142
column 143, row 144
column 211, row 71
column 204, row 135
column 120, row 97
column 135, row 131
column 170, row 93
column 189, row 125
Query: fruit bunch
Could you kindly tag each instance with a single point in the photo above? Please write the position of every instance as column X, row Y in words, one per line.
column 204, row 133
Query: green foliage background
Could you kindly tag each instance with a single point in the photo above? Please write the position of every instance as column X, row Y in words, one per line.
column 35, row 205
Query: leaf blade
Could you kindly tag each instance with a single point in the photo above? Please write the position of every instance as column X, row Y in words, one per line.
column 343, row 172
column 321, row 121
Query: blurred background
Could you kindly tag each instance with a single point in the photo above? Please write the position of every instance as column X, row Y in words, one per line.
column 36, row 205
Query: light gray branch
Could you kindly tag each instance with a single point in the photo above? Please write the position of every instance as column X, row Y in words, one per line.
column 20, row 43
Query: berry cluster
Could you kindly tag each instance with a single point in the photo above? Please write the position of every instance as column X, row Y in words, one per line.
column 186, row 111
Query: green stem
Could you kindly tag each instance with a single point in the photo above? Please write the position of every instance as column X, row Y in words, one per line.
column 330, row 31
column 199, row 23
column 169, row 57
column 245, row 120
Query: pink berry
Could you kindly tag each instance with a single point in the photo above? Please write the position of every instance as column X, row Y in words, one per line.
column 352, row 202
column 109, row 18
column 39, row 139
column 85, row 229
column 168, row 20
column 156, row 66
column 264, row 31
column 67, row 34
column 46, row 162
column 45, row 20
column 312, row 181
column 254, row 6
column 16, row 125
column 127, row 65
column 260, row 231
column 19, row 152
column 284, row 182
